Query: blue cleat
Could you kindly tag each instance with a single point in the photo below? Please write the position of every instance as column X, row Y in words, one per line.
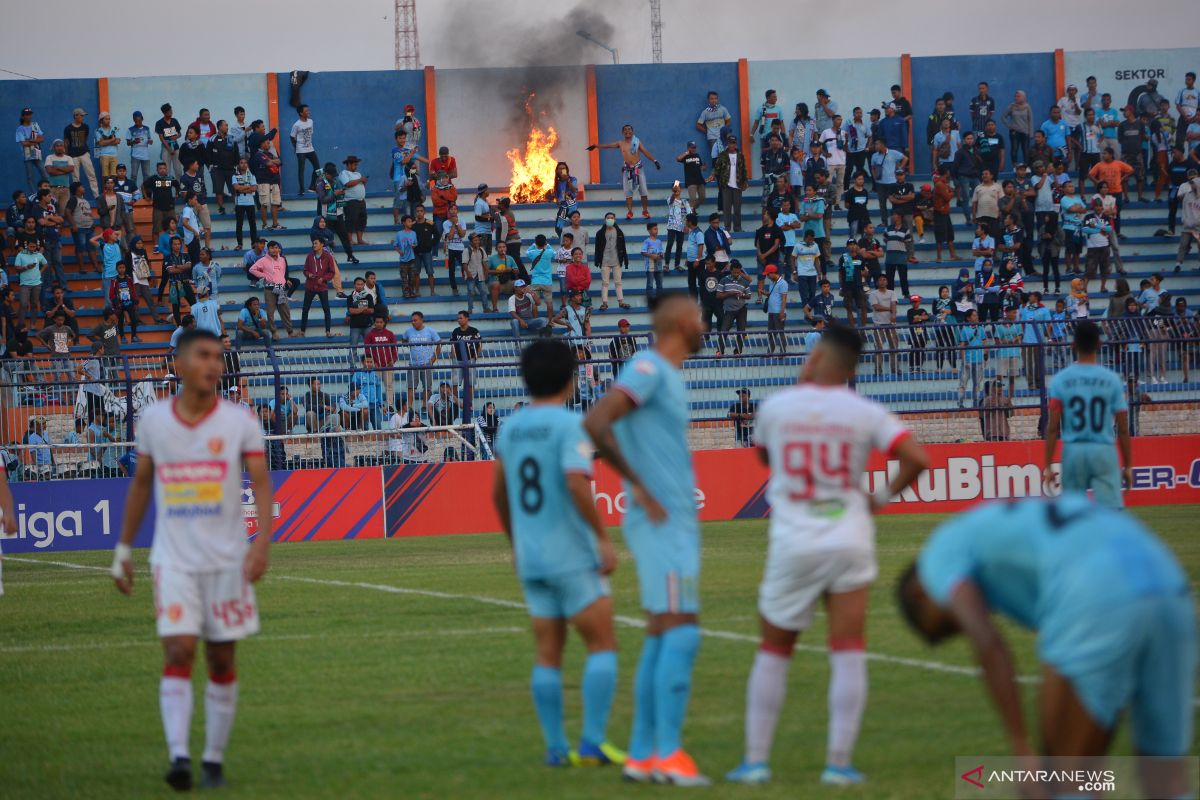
column 559, row 758
column 597, row 755
column 841, row 776
column 750, row 774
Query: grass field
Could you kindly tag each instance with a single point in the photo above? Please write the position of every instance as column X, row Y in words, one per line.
column 400, row 669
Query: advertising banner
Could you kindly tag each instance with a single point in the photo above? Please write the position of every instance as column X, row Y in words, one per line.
column 452, row 498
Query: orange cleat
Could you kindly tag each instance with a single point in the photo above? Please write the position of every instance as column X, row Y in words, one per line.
column 680, row 770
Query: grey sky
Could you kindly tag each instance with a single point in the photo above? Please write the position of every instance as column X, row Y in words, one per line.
column 764, row 29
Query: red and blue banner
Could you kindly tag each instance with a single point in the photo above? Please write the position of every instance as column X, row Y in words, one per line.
column 455, row 497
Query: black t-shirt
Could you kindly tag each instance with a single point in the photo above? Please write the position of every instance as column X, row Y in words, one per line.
column 360, row 300
column 471, row 338
column 709, row 283
column 161, row 189
column 744, row 426
column 857, row 205
column 913, row 313
column 172, row 128
column 1129, row 134
column 426, row 236
column 989, row 149
column 77, row 139
column 866, row 243
column 693, row 169
column 905, row 188
column 766, row 237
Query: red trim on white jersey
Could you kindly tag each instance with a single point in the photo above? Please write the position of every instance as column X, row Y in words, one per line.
column 175, row 411
column 900, row 437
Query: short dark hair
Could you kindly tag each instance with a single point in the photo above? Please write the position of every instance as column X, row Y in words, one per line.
column 548, row 365
column 1087, row 337
column 188, row 338
column 418, row 314
column 239, row 110
column 301, row 107
column 846, row 340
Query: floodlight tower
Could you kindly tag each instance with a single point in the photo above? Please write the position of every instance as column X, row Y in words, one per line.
column 408, row 50
column 656, row 31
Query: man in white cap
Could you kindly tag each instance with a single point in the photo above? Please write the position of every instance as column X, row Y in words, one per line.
column 523, row 308
column 108, row 139
column 78, row 140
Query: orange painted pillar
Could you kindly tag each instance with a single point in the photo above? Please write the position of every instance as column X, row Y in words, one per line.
column 593, row 124
column 431, row 112
column 273, row 103
column 102, row 91
column 744, row 111
column 906, row 89
column 1060, row 74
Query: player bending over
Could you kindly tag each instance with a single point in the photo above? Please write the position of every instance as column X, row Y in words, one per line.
column 543, row 494
column 816, row 437
column 1086, row 402
column 644, row 422
column 1114, row 618
column 190, row 451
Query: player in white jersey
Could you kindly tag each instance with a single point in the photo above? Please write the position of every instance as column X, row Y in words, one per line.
column 7, row 509
column 816, row 438
column 191, row 449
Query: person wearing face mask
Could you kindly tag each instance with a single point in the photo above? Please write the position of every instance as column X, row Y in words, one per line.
column 610, row 258
column 730, row 173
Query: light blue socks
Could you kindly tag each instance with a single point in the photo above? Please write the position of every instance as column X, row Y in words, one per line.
column 546, row 686
column 641, row 741
column 599, row 686
column 673, row 685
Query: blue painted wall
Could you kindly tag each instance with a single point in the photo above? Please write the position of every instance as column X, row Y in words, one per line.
column 933, row 75
column 52, row 102
column 353, row 113
column 662, row 102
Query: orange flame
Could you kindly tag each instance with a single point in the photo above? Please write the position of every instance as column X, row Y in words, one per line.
column 533, row 171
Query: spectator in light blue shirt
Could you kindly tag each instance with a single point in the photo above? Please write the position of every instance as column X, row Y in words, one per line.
column 424, row 349
column 138, row 138
column 355, row 410
column 652, row 249
column 1036, row 318
column 813, row 337
column 107, row 139
column 1056, row 131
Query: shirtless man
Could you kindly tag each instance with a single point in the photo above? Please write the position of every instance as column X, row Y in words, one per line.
column 632, row 175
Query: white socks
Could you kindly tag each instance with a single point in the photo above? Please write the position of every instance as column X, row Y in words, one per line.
column 765, row 692
column 175, row 702
column 847, row 699
column 220, row 703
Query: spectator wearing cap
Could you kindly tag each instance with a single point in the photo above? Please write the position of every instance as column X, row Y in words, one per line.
column 410, row 125
column 693, row 175
column 60, row 168
column 331, row 200
column 1149, row 99
column 824, row 112
column 77, row 137
column 776, row 308
column 30, row 138
column 730, row 172
column 139, row 138
column 893, row 129
column 623, row 345
column 918, row 317
column 742, row 413
column 523, row 310
column 170, row 132
column 355, row 185
column 108, row 139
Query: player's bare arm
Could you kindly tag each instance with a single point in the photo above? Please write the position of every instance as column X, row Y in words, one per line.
column 599, row 426
column 580, row 487
column 260, row 478
column 1053, row 431
column 136, row 503
column 913, row 461
column 1125, row 445
column 7, row 507
column 500, row 499
column 971, row 611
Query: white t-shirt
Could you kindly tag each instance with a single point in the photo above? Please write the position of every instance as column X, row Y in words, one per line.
column 199, row 523
column 819, row 439
column 302, row 132
column 836, row 156
column 733, row 173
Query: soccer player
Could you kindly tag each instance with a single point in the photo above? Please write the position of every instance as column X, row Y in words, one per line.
column 1113, row 613
column 10, row 517
column 816, row 438
column 1086, row 400
column 644, row 422
column 543, row 494
column 190, row 451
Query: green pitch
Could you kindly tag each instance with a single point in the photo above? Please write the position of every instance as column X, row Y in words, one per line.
column 400, row 669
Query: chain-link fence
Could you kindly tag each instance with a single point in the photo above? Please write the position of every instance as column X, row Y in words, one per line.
column 324, row 405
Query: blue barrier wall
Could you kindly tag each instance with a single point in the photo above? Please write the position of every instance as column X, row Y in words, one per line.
column 354, row 113
column 662, row 102
column 52, row 102
column 933, row 75
column 220, row 94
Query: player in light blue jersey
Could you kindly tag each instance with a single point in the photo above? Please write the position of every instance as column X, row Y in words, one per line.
column 1087, row 401
column 640, row 428
column 543, row 494
column 1112, row 609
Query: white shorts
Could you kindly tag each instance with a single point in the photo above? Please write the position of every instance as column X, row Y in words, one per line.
column 795, row 580
column 216, row 606
column 635, row 182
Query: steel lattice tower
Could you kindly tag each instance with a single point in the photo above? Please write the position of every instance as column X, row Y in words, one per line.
column 408, row 50
column 655, row 31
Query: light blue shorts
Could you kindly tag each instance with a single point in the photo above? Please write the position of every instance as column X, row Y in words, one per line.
column 668, row 561
column 564, row 596
column 1139, row 652
column 1093, row 466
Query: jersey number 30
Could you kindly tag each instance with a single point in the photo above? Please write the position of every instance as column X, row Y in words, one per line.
column 806, row 472
column 1087, row 415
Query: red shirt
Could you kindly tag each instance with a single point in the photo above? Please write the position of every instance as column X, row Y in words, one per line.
column 380, row 345
column 439, row 164
column 579, row 276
